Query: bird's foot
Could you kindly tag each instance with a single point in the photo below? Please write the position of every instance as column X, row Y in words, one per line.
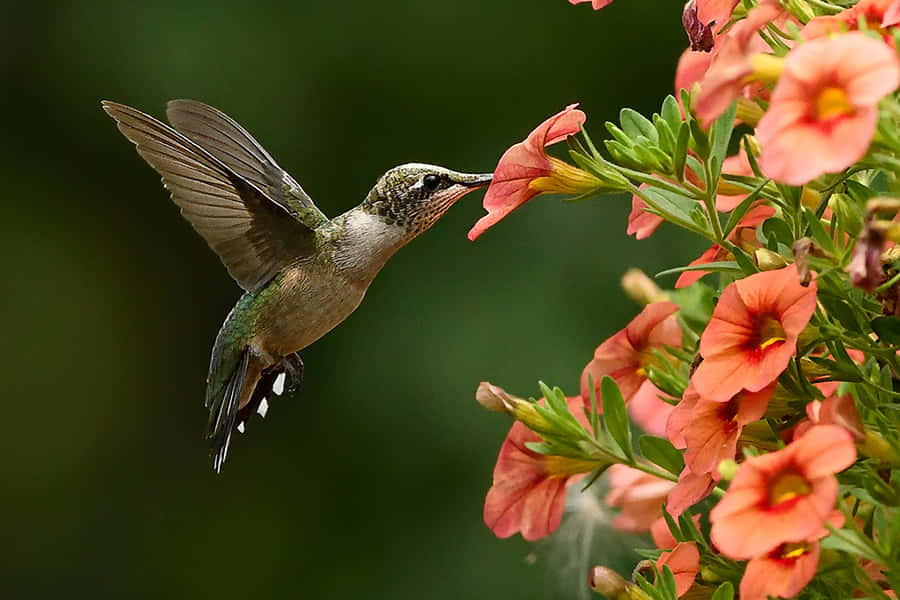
column 293, row 366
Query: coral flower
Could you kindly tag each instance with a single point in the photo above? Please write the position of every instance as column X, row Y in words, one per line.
column 525, row 170
column 710, row 430
column 783, row 572
column 690, row 489
column 753, row 332
column 626, row 356
column 878, row 13
column 824, row 108
column 639, row 495
column 529, row 489
column 662, row 537
column 743, row 236
column 597, row 4
column 640, row 222
column 782, row 497
column 684, row 561
column 834, row 410
column 739, row 57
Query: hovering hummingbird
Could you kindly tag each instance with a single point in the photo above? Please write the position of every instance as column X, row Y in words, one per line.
column 302, row 273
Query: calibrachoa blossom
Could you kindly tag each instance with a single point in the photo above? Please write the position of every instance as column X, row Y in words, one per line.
column 529, row 490
column 597, row 4
column 684, row 561
column 782, row 497
column 753, row 333
column 710, row 430
column 824, row 108
column 526, row 171
column 626, row 356
column 878, row 13
column 783, row 572
column 639, row 495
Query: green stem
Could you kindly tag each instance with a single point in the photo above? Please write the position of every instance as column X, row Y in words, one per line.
column 709, row 201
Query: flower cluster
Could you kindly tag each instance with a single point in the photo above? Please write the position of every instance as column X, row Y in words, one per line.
column 766, row 382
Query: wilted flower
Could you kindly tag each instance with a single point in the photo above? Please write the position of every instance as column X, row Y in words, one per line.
column 782, row 497
column 525, row 170
column 865, row 267
column 824, row 110
column 752, row 334
column 699, row 34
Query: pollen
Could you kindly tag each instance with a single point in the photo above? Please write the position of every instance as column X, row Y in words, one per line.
column 770, row 332
column 794, row 550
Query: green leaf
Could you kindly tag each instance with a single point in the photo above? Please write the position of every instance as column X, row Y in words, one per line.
column 724, row 592
column 817, row 231
column 615, row 415
column 676, row 208
column 666, row 134
column 837, row 308
column 672, row 113
column 680, row 155
column 728, row 266
column 741, row 209
column 888, row 329
column 701, row 142
column 776, row 229
column 666, row 582
column 744, row 261
column 635, row 124
column 622, row 137
column 661, row 452
column 719, row 137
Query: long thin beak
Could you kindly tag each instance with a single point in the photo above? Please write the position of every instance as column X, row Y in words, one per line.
column 475, row 180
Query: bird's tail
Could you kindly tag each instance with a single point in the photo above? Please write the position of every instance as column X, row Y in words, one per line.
column 223, row 399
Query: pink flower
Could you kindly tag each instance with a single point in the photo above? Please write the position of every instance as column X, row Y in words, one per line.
column 640, row 222
column 878, row 13
column 525, row 170
column 597, row 4
column 684, row 561
column 716, row 12
column 626, row 356
column 639, row 495
column 692, row 66
column 529, row 490
column 753, row 332
column 662, row 537
column 782, row 497
column 690, row 489
column 824, row 108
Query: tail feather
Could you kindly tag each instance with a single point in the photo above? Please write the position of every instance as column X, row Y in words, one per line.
column 223, row 410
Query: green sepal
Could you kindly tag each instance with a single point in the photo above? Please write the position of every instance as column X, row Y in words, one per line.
column 701, row 141
column 679, row 156
column 724, row 592
column 615, row 416
column 671, row 112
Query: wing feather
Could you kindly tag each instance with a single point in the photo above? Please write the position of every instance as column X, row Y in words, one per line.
column 254, row 234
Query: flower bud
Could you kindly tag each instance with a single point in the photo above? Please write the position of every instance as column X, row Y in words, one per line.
column 876, row 447
column 748, row 111
column 641, row 288
column 768, row 260
column 728, row 469
column 493, row 397
column 848, row 212
column 609, row 583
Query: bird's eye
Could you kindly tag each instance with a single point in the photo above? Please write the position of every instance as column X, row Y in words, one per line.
column 431, row 182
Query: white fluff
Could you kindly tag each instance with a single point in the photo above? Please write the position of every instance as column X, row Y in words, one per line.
column 278, row 386
column 263, row 408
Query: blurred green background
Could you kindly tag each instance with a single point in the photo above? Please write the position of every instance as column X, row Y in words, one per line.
column 370, row 483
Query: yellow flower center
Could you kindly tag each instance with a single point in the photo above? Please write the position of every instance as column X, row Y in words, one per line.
column 770, row 332
column 795, row 550
column 786, row 487
column 832, row 102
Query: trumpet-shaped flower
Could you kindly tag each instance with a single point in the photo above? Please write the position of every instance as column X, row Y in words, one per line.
column 626, row 356
column 525, row 170
column 710, row 430
column 753, row 332
column 785, row 496
column 690, row 489
column 529, row 490
column 824, row 108
column 783, row 572
column 878, row 13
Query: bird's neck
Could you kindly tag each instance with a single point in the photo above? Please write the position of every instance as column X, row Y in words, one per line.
column 363, row 242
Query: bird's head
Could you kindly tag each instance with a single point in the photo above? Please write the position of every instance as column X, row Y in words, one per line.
column 414, row 195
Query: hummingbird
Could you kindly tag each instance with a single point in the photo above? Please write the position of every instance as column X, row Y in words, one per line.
column 302, row 273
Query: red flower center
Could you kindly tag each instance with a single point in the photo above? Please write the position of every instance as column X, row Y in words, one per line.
column 786, row 487
column 727, row 413
column 789, row 553
column 768, row 333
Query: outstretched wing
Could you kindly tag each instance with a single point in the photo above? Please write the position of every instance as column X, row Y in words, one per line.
column 225, row 139
column 253, row 233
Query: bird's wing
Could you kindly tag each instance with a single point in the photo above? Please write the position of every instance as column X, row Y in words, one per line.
column 224, row 138
column 255, row 235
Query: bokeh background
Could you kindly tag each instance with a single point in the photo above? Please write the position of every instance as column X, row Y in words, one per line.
column 370, row 483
